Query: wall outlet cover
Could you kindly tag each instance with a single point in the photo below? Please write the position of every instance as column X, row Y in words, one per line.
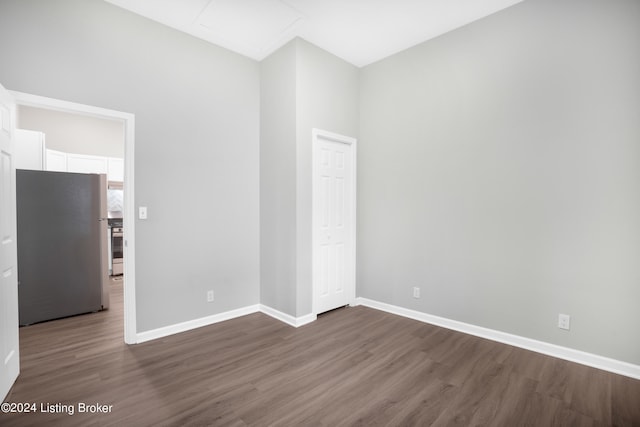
column 564, row 321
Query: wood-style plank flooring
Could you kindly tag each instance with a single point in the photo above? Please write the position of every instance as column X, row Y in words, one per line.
column 353, row 366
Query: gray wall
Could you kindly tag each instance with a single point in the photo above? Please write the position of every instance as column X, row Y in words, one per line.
column 74, row 133
column 498, row 164
column 327, row 99
column 302, row 87
column 499, row 170
column 197, row 134
column 278, row 180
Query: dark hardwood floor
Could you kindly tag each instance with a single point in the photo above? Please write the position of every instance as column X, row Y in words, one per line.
column 354, row 366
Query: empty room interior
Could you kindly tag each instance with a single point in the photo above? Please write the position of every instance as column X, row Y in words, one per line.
column 343, row 212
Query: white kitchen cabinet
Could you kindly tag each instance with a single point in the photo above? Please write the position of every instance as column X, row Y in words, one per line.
column 115, row 171
column 84, row 163
column 56, row 161
column 59, row 161
column 29, row 149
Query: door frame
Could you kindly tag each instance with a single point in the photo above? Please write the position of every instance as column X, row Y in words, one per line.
column 128, row 119
column 350, row 285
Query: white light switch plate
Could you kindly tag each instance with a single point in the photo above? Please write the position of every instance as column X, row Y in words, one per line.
column 142, row 212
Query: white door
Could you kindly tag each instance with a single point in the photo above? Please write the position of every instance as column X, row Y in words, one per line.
column 333, row 220
column 9, row 352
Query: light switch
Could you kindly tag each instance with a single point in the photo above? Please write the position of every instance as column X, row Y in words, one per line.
column 142, row 212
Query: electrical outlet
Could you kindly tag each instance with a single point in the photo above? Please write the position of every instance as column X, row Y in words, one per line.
column 564, row 321
column 209, row 296
column 416, row 292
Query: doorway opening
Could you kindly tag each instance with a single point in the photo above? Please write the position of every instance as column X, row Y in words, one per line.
column 128, row 122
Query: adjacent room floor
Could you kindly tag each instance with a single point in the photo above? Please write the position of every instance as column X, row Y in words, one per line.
column 353, row 366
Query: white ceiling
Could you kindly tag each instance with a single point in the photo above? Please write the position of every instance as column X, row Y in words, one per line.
column 358, row 31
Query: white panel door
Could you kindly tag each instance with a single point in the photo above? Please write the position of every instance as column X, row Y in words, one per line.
column 333, row 221
column 9, row 351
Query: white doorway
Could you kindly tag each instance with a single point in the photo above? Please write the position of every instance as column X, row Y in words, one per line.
column 28, row 100
column 9, row 346
column 333, row 220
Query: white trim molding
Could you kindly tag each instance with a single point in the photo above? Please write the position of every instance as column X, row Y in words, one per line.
column 196, row 323
column 296, row 322
column 177, row 328
column 572, row 355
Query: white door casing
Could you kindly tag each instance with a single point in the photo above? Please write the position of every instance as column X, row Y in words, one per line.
column 9, row 348
column 130, row 330
column 333, row 220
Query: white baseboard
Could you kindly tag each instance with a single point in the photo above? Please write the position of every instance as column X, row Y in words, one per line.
column 196, row 323
column 221, row 317
column 286, row 318
column 577, row 356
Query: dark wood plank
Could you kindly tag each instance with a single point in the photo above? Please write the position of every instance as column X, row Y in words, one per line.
column 354, row 366
column 625, row 405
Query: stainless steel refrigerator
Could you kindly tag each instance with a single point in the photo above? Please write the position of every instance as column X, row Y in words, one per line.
column 62, row 244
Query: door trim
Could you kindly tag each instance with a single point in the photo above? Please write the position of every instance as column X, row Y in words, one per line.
column 350, row 286
column 129, row 282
